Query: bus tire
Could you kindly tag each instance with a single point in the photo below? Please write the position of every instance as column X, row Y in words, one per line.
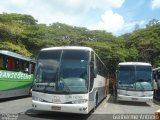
column 30, row 92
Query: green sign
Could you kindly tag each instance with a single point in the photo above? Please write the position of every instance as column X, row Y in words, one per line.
column 14, row 75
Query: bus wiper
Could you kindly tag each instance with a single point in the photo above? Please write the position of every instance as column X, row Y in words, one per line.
column 48, row 84
column 140, row 84
column 68, row 90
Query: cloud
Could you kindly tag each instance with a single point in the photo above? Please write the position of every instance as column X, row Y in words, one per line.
column 111, row 22
column 81, row 5
column 155, row 4
column 64, row 5
column 107, row 4
column 115, row 23
column 72, row 12
column 19, row 2
column 130, row 26
column 50, row 8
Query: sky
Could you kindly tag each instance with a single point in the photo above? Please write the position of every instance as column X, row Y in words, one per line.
column 115, row 16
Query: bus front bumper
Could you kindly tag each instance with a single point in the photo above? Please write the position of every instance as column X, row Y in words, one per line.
column 68, row 108
column 134, row 98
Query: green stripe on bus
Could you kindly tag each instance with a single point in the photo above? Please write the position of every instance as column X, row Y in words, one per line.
column 10, row 80
column 8, row 85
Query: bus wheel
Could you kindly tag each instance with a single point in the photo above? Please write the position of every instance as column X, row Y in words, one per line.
column 30, row 92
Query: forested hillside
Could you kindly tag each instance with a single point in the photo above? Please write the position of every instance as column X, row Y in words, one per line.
column 22, row 34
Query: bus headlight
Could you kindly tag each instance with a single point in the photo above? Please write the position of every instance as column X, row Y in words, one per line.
column 80, row 101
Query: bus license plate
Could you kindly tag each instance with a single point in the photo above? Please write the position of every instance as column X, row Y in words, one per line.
column 56, row 108
column 134, row 98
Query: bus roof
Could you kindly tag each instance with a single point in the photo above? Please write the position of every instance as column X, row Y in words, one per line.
column 135, row 63
column 15, row 55
column 68, row 47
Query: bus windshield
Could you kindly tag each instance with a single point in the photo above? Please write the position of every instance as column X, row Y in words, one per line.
column 135, row 77
column 62, row 71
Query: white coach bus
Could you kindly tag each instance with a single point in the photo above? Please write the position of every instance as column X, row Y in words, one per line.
column 69, row 79
column 134, row 82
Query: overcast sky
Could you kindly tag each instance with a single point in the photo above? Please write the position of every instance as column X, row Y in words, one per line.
column 116, row 16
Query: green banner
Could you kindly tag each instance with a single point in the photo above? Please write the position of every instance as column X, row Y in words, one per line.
column 6, row 75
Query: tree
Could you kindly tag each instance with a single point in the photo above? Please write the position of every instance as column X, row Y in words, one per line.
column 22, row 33
column 153, row 22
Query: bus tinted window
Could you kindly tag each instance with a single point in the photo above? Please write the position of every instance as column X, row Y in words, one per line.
column 101, row 69
column 143, row 68
column 11, row 63
column 74, row 70
column 24, row 66
column 135, row 77
column 91, row 74
column 48, row 65
column 126, row 74
column 52, row 54
column 32, row 65
column 75, row 55
column 1, row 62
column 127, row 68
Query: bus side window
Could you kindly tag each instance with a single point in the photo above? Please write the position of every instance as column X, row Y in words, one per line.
column 16, row 62
column 1, row 62
column 24, row 66
column 11, row 63
column 32, row 66
column 91, row 71
column 100, row 67
column 17, row 65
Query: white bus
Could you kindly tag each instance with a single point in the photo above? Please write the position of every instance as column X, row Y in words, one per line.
column 69, row 79
column 134, row 82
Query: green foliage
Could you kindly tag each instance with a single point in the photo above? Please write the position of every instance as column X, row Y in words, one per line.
column 15, row 48
column 147, row 43
column 22, row 34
